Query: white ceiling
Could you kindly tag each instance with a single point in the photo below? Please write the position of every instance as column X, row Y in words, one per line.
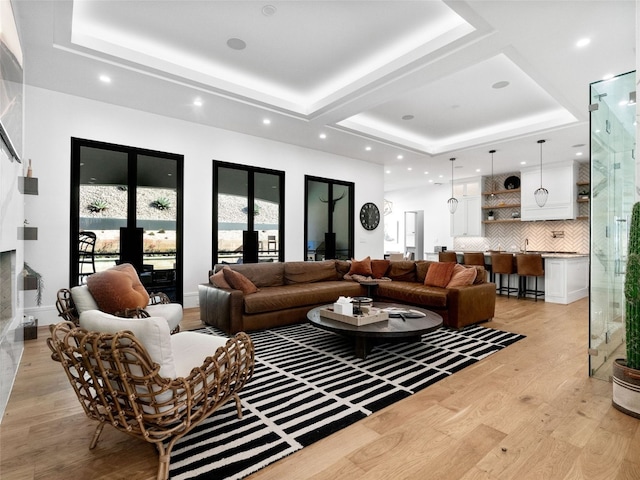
column 348, row 69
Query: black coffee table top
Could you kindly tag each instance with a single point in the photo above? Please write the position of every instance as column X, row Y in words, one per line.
column 392, row 328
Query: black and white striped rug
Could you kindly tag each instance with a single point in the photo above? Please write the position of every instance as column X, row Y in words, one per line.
column 307, row 385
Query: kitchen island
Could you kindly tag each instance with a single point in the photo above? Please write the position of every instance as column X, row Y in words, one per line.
column 566, row 275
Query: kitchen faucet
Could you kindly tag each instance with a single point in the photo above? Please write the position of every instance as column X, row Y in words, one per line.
column 526, row 242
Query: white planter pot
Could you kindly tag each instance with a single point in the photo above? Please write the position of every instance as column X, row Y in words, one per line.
column 626, row 388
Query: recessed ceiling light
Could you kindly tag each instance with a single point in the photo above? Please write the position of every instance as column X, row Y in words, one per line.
column 269, row 10
column 387, row 171
column 323, row 136
column 431, row 180
column 408, row 117
column 501, row 84
column 477, row 169
column 399, row 157
column 409, row 168
column 523, row 163
column 579, row 154
column 426, row 173
column 440, row 176
column 266, row 121
column 105, row 78
column 368, row 149
column 236, row 44
column 197, row 102
column 583, row 42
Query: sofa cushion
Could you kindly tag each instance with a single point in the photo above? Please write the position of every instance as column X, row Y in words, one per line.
column 402, row 271
column 218, row 280
column 439, row 274
column 481, row 275
column 462, row 276
column 422, row 266
column 309, row 272
column 193, row 348
column 379, row 268
column 413, row 293
column 361, row 267
column 299, row 295
column 117, row 289
column 264, row 274
column 342, row 268
column 239, row 281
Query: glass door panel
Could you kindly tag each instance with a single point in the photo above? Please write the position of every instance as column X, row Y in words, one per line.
column 266, row 211
column 232, row 213
column 103, row 180
column 157, row 218
column 612, row 197
column 317, row 219
column 341, row 217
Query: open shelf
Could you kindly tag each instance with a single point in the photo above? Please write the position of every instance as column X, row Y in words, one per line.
column 506, row 220
column 511, row 205
column 502, row 192
column 28, row 185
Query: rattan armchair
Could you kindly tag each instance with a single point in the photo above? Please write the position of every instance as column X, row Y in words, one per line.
column 118, row 383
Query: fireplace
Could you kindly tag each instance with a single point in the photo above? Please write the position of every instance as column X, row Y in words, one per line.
column 7, row 288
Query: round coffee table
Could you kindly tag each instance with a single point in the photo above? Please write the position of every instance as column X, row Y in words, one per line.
column 366, row 336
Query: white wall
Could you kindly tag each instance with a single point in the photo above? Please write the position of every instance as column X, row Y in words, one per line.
column 432, row 199
column 52, row 118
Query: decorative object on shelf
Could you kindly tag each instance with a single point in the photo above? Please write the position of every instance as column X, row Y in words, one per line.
column 541, row 194
column 490, row 215
column 29, row 170
column 28, row 272
column 515, row 215
column 493, row 182
column 583, row 193
column 512, row 183
column 626, row 373
column 370, row 216
column 453, row 201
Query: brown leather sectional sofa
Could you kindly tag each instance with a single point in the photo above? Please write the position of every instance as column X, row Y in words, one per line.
column 288, row 290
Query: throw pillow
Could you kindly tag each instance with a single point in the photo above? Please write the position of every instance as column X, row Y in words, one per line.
column 361, row 267
column 439, row 274
column 117, row 289
column 462, row 276
column 218, row 279
column 239, row 281
column 379, row 267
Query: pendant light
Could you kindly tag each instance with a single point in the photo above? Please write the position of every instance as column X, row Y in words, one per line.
column 453, row 201
column 493, row 182
column 541, row 193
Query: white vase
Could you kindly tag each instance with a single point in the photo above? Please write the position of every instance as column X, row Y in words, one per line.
column 626, row 388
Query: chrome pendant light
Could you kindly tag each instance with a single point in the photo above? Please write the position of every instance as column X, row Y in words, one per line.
column 493, row 182
column 453, row 201
column 541, row 194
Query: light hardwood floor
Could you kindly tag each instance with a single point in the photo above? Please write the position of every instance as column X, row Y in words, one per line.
column 530, row 411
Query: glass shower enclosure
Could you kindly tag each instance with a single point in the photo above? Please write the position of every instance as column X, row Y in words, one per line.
column 612, row 194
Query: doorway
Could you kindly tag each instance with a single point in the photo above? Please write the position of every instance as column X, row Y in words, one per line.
column 328, row 218
column 248, row 214
column 126, row 207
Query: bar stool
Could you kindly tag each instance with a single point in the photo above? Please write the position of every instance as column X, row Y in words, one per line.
column 502, row 264
column 447, row 257
column 474, row 258
column 529, row 265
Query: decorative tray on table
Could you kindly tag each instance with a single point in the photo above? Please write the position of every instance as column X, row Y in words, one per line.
column 357, row 319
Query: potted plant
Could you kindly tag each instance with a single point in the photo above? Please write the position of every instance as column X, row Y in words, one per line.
column 32, row 280
column 626, row 372
column 490, row 215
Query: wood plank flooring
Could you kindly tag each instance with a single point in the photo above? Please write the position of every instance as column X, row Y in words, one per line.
column 528, row 412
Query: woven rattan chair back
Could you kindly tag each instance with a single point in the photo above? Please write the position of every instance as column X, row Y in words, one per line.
column 117, row 383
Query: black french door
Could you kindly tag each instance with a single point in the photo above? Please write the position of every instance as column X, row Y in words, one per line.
column 129, row 202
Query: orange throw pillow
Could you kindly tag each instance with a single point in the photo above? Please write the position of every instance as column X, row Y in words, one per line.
column 379, row 267
column 239, row 281
column 361, row 267
column 218, row 279
column 439, row 274
column 117, row 289
column 462, row 276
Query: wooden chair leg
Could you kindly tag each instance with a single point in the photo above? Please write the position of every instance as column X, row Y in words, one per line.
column 96, row 435
column 238, row 405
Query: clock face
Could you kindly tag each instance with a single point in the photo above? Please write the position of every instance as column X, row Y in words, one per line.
column 369, row 216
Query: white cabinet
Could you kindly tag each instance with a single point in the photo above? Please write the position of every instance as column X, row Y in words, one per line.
column 560, row 180
column 566, row 279
column 467, row 221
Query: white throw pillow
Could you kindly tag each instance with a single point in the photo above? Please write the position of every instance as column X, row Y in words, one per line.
column 172, row 312
column 152, row 332
column 191, row 348
column 83, row 299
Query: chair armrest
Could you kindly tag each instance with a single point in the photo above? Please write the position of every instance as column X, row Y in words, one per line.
column 470, row 304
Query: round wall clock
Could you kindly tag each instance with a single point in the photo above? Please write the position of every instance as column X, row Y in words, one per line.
column 369, row 216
